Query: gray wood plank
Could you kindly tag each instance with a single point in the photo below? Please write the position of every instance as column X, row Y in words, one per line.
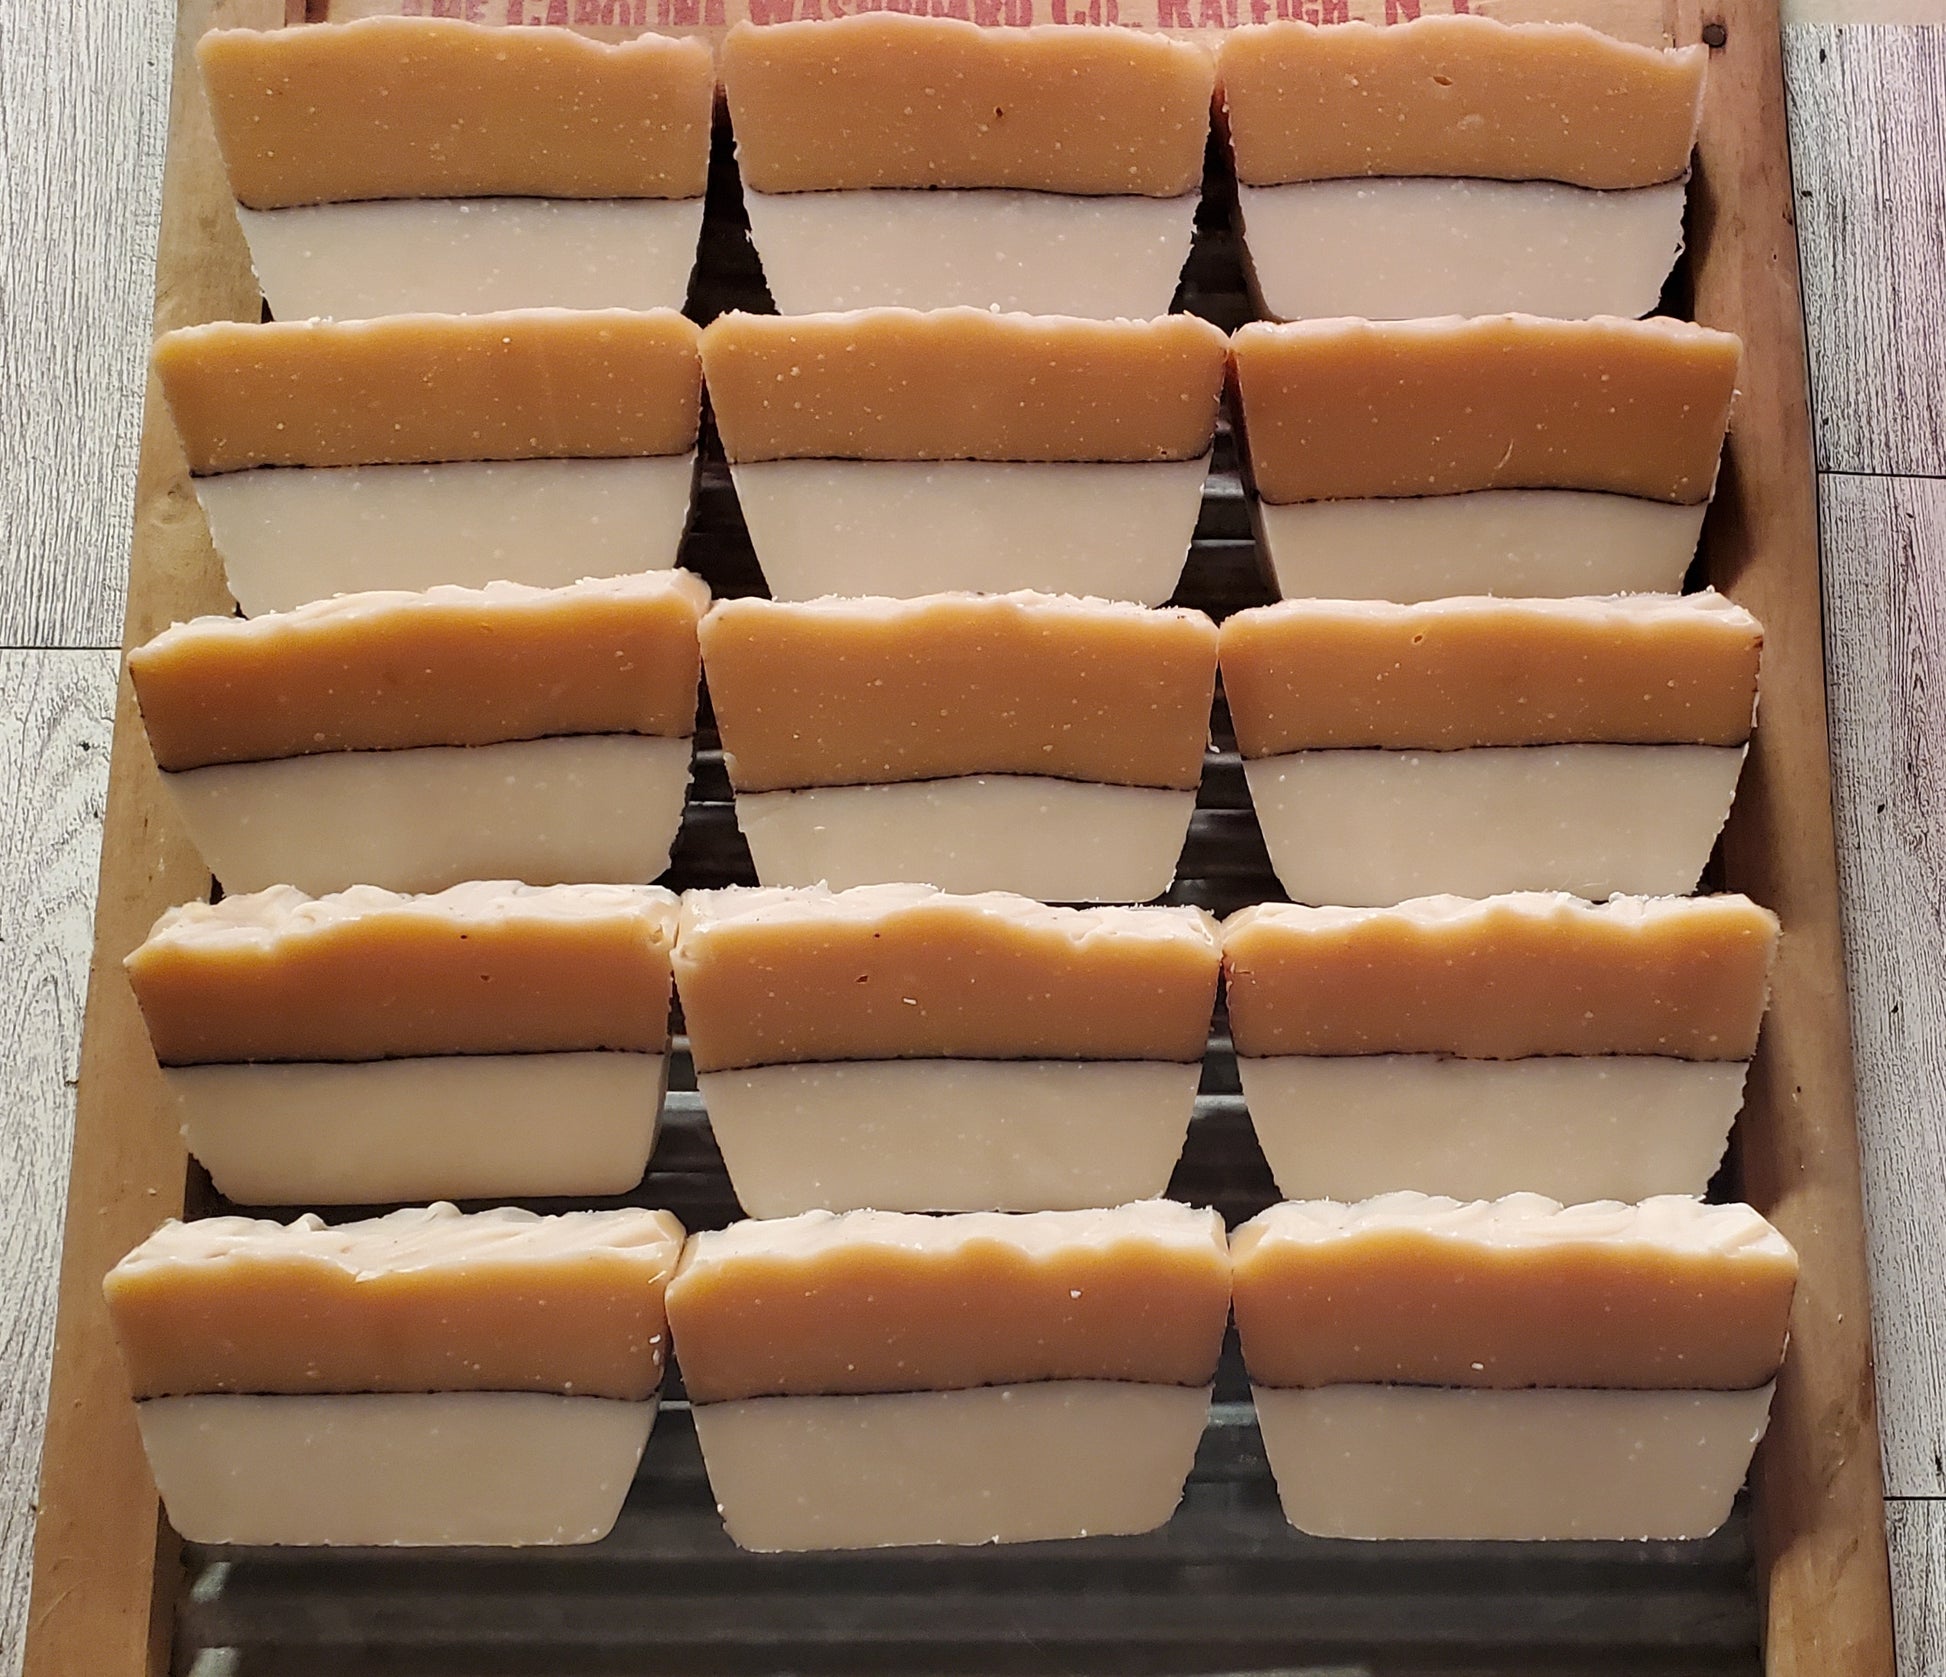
column 83, row 103
column 1868, row 143
column 1916, row 1534
column 55, row 722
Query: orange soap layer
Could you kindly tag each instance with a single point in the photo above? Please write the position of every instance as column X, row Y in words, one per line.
column 532, row 384
column 451, row 666
column 1343, row 409
column 483, row 968
column 420, row 1301
column 845, row 692
column 1407, row 1289
column 887, row 100
column 435, row 108
column 1502, row 978
column 892, row 971
column 962, row 384
column 1458, row 96
column 1645, row 669
column 880, row 1301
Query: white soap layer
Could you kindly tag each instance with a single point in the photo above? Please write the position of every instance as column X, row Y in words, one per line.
column 408, row 1469
column 1026, row 252
column 1609, row 1127
column 1479, row 1465
column 1061, row 841
column 1520, row 543
column 464, row 1126
column 1366, row 829
column 291, row 534
column 949, row 1135
column 1403, row 249
column 599, row 807
column 473, row 255
column 999, row 1464
column 1113, row 531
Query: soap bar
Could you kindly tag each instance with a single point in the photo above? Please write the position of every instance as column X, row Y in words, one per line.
column 1457, row 96
column 530, row 384
column 842, row 692
column 450, row 666
column 879, row 1301
column 482, row 968
column 1338, row 409
column 1446, row 674
column 962, row 384
column 1671, row 1294
column 432, row 107
column 1533, row 973
column 431, row 1300
column 837, row 104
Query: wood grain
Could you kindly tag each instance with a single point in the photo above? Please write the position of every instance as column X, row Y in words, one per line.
column 1868, row 108
column 82, row 109
column 1918, row 1536
column 1885, row 642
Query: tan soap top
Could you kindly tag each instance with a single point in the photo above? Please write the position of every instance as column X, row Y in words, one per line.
column 849, row 692
column 1340, row 409
column 490, row 967
column 1501, row 978
column 1410, row 1289
column 1458, row 96
column 884, row 1301
column 883, row 972
column 1640, row 669
column 435, row 108
column 449, row 666
column 888, row 100
column 426, row 1300
column 962, row 384
column 530, row 384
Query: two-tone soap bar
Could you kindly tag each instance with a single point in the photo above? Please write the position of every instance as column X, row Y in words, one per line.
column 1586, row 1051
column 1419, row 459
column 1477, row 746
column 423, row 1378
column 890, row 451
column 873, row 1379
column 537, row 446
column 1457, row 165
column 1038, row 744
column 493, row 1041
column 930, row 162
column 895, row 1047
column 1511, row 1369
column 414, row 741
column 409, row 165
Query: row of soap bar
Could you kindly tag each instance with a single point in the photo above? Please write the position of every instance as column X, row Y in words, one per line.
column 901, row 1048
column 1033, row 743
column 893, row 452
column 1450, row 165
column 1420, row 1368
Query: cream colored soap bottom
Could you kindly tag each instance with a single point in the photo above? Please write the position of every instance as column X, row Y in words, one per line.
column 1062, row 841
column 1022, row 252
column 292, row 534
column 949, row 1135
column 1612, row 1127
column 461, row 1126
column 600, row 808
column 406, row 1469
column 1477, row 1465
column 1116, row 531
column 473, row 255
column 1000, row 1464
column 1366, row 829
column 1401, row 249
column 1520, row 543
